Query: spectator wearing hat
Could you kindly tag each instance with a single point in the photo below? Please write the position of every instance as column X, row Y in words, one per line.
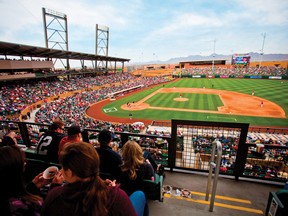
column 74, row 135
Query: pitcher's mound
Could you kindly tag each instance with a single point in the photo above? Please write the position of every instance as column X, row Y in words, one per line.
column 180, row 99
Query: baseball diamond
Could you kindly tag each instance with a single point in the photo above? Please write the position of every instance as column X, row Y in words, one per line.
column 195, row 99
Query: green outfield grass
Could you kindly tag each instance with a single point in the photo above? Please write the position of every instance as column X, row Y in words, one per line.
column 195, row 101
column 273, row 90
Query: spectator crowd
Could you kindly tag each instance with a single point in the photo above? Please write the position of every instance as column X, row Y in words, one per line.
column 16, row 97
column 235, row 71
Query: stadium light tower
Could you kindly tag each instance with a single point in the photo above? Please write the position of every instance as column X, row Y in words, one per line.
column 214, row 41
column 102, row 46
column 262, row 53
column 56, row 31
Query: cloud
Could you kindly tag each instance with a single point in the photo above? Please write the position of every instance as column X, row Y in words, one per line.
column 265, row 12
column 185, row 22
column 165, row 27
column 82, row 15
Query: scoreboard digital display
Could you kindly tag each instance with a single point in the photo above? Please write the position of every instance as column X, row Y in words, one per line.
column 241, row 59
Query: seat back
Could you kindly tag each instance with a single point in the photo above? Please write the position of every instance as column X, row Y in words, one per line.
column 153, row 189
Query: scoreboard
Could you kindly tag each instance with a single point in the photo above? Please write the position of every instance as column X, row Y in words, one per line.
column 240, row 59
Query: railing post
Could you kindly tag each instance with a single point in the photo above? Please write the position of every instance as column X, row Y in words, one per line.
column 241, row 153
column 172, row 146
column 124, row 138
column 217, row 169
column 85, row 137
column 210, row 170
column 216, row 172
column 24, row 133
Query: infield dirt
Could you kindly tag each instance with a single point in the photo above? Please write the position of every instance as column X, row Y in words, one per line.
column 234, row 104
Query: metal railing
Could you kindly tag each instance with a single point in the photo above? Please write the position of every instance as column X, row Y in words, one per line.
column 216, row 167
column 188, row 148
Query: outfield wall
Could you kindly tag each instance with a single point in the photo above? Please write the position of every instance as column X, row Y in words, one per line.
column 231, row 76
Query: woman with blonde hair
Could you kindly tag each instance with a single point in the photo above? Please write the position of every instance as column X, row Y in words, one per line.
column 135, row 168
column 85, row 193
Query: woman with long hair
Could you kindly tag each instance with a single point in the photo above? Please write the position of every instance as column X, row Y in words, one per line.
column 14, row 198
column 134, row 168
column 85, row 193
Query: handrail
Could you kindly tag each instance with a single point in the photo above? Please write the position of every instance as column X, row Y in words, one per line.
column 30, row 132
column 213, row 165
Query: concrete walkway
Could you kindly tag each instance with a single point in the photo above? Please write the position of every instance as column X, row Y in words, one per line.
column 232, row 197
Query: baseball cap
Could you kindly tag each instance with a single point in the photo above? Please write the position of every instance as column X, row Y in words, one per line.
column 74, row 129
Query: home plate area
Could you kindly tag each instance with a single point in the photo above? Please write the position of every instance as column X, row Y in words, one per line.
column 111, row 109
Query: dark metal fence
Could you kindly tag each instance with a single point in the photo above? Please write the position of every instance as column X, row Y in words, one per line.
column 246, row 152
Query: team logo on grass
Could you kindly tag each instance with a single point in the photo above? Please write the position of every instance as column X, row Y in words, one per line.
column 109, row 110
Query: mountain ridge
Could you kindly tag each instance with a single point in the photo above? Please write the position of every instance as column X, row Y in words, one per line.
column 254, row 58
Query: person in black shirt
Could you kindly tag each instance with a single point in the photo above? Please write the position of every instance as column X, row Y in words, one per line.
column 49, row 142
column 110, row 161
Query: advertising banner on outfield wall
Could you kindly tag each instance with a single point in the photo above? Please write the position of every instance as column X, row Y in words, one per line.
column 275, row 77
column 255, row 77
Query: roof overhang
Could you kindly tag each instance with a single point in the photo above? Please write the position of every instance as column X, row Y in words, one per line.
column 41, row 52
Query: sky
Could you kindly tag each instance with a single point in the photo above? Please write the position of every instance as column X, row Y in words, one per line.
column 155, row 30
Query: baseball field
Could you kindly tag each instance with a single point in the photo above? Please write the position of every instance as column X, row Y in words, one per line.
column 259, row 102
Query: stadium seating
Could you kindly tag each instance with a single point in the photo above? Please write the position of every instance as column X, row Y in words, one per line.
column 152, row 189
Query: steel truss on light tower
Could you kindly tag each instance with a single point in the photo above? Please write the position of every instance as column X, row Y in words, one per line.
column 56, row 32
column 102, row 45
column 262, row 49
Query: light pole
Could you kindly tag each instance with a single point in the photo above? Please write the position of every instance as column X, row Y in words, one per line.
column 262, row 53
column 213, row 56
